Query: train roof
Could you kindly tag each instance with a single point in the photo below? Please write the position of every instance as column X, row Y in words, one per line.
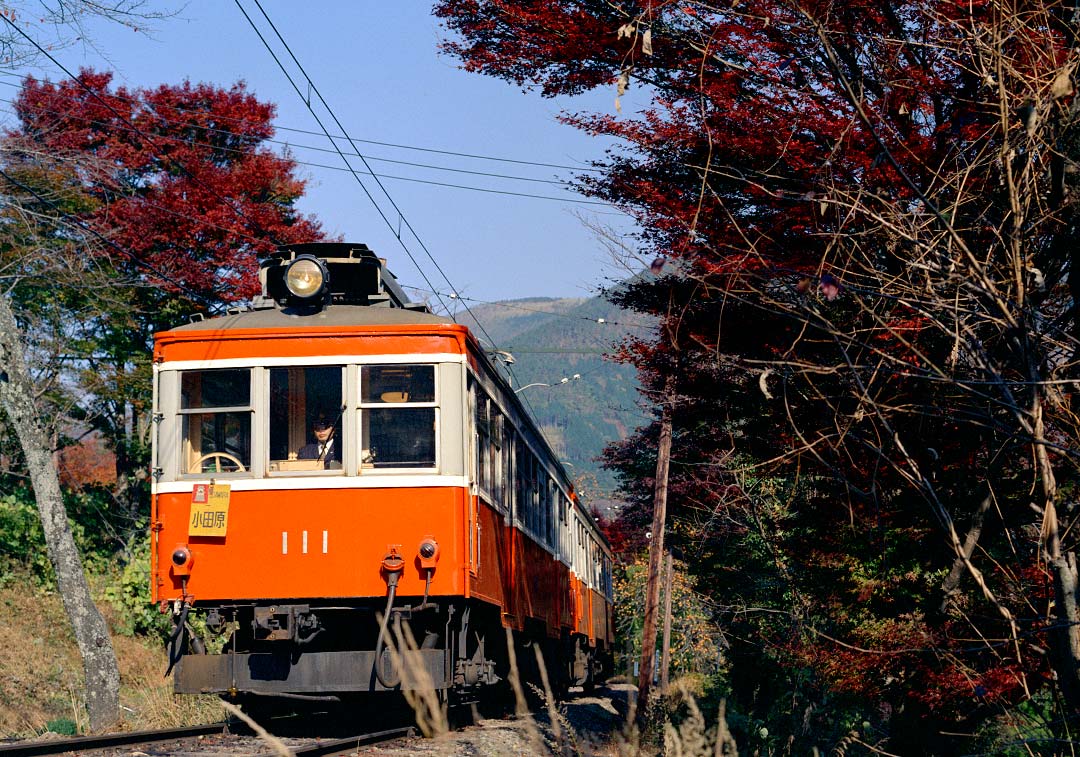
column 335, row 315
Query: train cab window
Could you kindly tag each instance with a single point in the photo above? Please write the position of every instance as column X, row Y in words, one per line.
column 398, row 412
column 306, row 433
column 215, row 411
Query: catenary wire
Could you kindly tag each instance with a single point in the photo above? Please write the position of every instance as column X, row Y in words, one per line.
column 415, row 148
column 414, row 180
column 401, row 215
column 326, row 105
column 367, row 192
column 135, row 130
column 294, row 145
column 226, row 201
column 240, row 214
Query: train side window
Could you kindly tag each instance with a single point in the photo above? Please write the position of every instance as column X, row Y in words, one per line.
column 398, row 409
column 506, row 489
column 215, row 411
column 534, row 496
column 494, row 456
column 482, row 421
column 549, row 508
column 306, row 432
column 545, row 508
column 521, row 481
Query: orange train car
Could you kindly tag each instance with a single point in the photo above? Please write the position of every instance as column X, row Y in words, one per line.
column 336, row 455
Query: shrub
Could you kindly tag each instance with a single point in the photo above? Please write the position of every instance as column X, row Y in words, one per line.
column 129, row 593
column 22, row 543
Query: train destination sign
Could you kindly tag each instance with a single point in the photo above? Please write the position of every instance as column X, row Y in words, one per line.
column 209, row 510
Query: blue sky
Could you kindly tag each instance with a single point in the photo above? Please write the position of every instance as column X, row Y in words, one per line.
column 377, row 65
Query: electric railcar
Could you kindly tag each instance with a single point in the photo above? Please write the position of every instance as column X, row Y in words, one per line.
column 433, row 502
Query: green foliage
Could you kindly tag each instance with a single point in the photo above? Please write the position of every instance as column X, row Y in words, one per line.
column 696, row 641
column 62, row 727
column 129, row 593
column 22, row 544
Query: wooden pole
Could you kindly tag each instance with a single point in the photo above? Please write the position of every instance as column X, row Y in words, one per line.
column 656, row 552
column 665, row 647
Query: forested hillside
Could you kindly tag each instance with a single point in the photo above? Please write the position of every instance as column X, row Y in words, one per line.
column 555, row 338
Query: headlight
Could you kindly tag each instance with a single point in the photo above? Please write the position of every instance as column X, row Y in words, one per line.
column 305, row 278
column 428, row 552
column 182, row 560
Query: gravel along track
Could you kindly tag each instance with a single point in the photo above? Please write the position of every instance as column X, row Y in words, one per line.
column 588, row 725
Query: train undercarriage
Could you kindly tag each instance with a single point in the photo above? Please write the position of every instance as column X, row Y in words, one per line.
column 327, row 651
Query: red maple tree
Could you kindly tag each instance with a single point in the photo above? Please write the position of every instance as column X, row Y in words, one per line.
column 184, row 181
column 171, row 195
column 869, row 315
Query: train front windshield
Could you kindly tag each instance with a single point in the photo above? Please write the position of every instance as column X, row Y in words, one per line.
column 215, row 408
column 398, row 416
column 304, row 419
column 306, row 412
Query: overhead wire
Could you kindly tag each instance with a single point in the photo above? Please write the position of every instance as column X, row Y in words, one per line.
column 349, row 168
column 225, row 201
column 117, row 193
column 75, row 222
column 289, row 145
column 416, row 148
column 307, row 101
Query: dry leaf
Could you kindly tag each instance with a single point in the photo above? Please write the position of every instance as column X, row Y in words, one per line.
column 623, row 82
column 763, row 384
column 646, row 42
column 626, row 30
column 618, row 105
column 1062, row 85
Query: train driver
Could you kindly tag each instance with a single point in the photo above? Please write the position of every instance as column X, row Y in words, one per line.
column 325, row 446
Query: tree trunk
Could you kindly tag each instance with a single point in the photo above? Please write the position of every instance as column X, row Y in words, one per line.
column 1066, row 636
column 656, row 554
column 665, row 645
column 91, row 632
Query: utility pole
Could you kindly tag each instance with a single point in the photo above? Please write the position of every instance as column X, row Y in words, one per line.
column 656, row 552
column 665, row 647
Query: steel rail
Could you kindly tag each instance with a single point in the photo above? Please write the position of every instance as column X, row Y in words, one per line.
column 59, row 746
column 347, row 745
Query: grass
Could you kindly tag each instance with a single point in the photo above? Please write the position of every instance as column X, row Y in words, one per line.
column 41, row 685
column 41, row 675
column 677, row 727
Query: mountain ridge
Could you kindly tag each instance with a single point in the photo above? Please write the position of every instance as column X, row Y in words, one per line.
column 552, row 338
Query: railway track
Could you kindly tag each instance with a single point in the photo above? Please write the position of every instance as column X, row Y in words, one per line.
column 228, row 731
